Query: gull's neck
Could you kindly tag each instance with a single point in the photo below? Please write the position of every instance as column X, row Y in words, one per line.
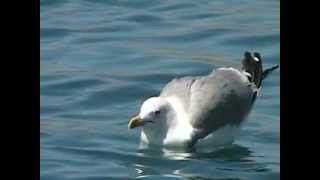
column 179, row 127
column 176, row 130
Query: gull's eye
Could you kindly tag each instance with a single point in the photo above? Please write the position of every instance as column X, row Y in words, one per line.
column 157, row 113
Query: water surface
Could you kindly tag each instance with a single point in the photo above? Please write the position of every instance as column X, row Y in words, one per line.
column 101, row 58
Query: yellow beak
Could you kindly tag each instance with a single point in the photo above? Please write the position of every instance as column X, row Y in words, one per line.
column 134, row 122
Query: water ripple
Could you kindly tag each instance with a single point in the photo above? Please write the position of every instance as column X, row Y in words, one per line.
column 101, row 58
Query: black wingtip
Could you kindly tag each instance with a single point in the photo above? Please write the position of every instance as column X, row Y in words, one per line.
column 247, row 55
column 257, row 55
column 253, row 66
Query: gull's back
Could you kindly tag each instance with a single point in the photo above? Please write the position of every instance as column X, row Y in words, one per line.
column 220, row 99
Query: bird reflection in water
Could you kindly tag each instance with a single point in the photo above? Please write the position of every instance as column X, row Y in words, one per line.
column 152, row 161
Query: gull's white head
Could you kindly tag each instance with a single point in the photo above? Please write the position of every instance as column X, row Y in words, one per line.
column 154, row 117
column 153, row 111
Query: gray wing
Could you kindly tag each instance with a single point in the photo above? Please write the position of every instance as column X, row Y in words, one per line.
column 212, row 101
column 180, row 88
column 219, row 99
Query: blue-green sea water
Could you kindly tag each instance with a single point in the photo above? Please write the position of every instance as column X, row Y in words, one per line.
column 101, row 58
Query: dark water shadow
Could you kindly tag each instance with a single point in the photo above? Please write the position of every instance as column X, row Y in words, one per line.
column 234, row 152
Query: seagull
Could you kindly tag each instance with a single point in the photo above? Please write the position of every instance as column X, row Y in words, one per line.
column 202, row 111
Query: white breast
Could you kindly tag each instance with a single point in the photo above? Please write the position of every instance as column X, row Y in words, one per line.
column 181, row 131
